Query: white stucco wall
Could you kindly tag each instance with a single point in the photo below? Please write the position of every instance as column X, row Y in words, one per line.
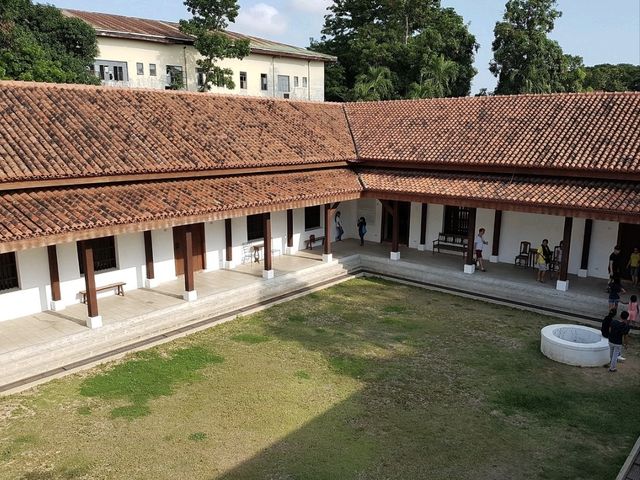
column 215, row 244
column 604, row 236
column 31, row 297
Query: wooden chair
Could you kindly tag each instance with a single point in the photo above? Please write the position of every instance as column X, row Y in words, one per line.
column 522, row 259
column 556, row 259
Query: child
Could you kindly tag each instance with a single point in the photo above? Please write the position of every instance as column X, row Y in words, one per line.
column 633, row 309
column 362, row 229
column 615, row 289
column 606, row 323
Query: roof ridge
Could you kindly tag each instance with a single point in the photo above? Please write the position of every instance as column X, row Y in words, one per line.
column 169, row 22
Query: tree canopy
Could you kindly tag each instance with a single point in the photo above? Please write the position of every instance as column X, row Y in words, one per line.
column 613, row 78
column 38, row 43
column 396, row 49
column 210, row 18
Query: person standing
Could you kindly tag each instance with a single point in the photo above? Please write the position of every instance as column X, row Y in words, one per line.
column 543, row 259
column 615, row 289
column 480, row 242
column 362, row 229
column 634, row 266
column 615, row 267
column 605, row 328
column 633, row 309
column 339, row 229
column 619, row 328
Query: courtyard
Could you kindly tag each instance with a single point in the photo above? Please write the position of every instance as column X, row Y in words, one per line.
column 366, row 379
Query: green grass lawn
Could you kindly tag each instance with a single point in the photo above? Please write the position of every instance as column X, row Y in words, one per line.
column 365, row 380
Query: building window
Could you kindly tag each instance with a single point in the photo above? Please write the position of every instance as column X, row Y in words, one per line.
column 152, row 69
column 283, row 83
column 174, row 78
column 243, row 80
column 304, row 82
column 201, row 77
column 104, row 254
column 111, row 71
column 255, row 230
column 118, row 74
column 456, row 220
column 312, row 217
column 140, row 68
column 296, row 82
column 8, row 271
column 263, row 82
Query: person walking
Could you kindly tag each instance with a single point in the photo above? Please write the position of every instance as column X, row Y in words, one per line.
column 480, row 242
column 615, row 267
column 615, row 289
column 543, row 259
column 362, row 229
column 339, row 229
column 619, row 328
column 605, row 328
column 634, row 266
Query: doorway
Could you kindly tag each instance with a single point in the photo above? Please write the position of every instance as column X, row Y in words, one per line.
column 197, row 234
column 628, row 239
column 404, row 214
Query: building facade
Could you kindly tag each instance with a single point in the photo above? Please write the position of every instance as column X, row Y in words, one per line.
column 143, row 53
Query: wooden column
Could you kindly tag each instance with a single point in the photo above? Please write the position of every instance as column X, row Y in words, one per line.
column 266, row 226
column 471, row 237
column 148, row 255
column 228, row 240
column 423, row 224
column 497, row 225
column 566, row 244
column 327, row 229
column 586, row 244
column 86, row 247
column 53, row 273
column 289, row 228
column 189, row 279
column 395, row 228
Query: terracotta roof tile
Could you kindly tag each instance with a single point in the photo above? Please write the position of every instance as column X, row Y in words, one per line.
column 46, row 212
column 595, row 198
column 595, row 132
column 55, row 131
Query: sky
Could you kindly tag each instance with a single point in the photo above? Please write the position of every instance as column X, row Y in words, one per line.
column 600, row 31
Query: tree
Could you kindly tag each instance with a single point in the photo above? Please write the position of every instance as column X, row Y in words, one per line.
column 405, row 37
column 376, row 84
column 525, row 60
column 613, row 78
column 38, row 43
column 210, row 18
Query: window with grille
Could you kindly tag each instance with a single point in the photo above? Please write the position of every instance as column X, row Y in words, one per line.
column 296, row 82
column 304, row 82
column 264, row 83
column 8, row 271
column 140, row 68
column 201, row 77
column 283, row 83
column 456, row 220
column 255, row 230
column 152, row 69
column 243, row 80
column 104, row 254
column 312, row 217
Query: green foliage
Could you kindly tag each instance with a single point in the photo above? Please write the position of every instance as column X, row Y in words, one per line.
column 210, row 18
column 389, row 49
column 302, row 375
column 198, row 436
column 38, row 43
column 525, row 60
column 147, row 376
column 613, row 78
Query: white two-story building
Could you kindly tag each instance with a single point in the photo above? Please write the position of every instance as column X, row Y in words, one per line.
column 143, row 53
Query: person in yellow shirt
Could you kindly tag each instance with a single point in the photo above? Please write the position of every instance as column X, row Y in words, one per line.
column 634, row 265
column 543, row 259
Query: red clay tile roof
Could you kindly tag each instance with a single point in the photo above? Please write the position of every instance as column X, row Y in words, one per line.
column 592, row 134
column 64, row 131
column 599, row 199
column 86, row 212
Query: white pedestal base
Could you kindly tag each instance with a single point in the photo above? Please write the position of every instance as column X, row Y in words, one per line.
column 57, row 305
column 327, row 257
column 190, row 296
column 469, row 268
column 582, row 273
column 229, row 265
column 151, row 282
column 290, row 250
column 422, row 247
column 493, row 259
column 563, row 286
column 268, row 274
column 395, row 256
column 94, row 322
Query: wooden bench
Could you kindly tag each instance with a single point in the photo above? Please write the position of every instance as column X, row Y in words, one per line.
column 313, row 239
column 118, row 286
column 450, row 241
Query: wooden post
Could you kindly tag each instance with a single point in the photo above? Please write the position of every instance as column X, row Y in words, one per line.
column 54, row 275
column 327, row 229
column 290, row 228
column 189, row 280
column 586, row 247
column 423, row 225
column 86, row 247
column 471, row 237
column 266, row 227
column 566, row 244
column 148, row 255
column 228, row 240
column 495, row 244
column 395, row 230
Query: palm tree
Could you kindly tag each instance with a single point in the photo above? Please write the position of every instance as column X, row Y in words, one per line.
column 376, row 84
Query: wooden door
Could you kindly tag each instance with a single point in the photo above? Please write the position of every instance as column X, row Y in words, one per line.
column 404, row 212
column 628, row 239
column 197, row 235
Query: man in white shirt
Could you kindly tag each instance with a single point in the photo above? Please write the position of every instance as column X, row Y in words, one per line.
column 479, row 245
